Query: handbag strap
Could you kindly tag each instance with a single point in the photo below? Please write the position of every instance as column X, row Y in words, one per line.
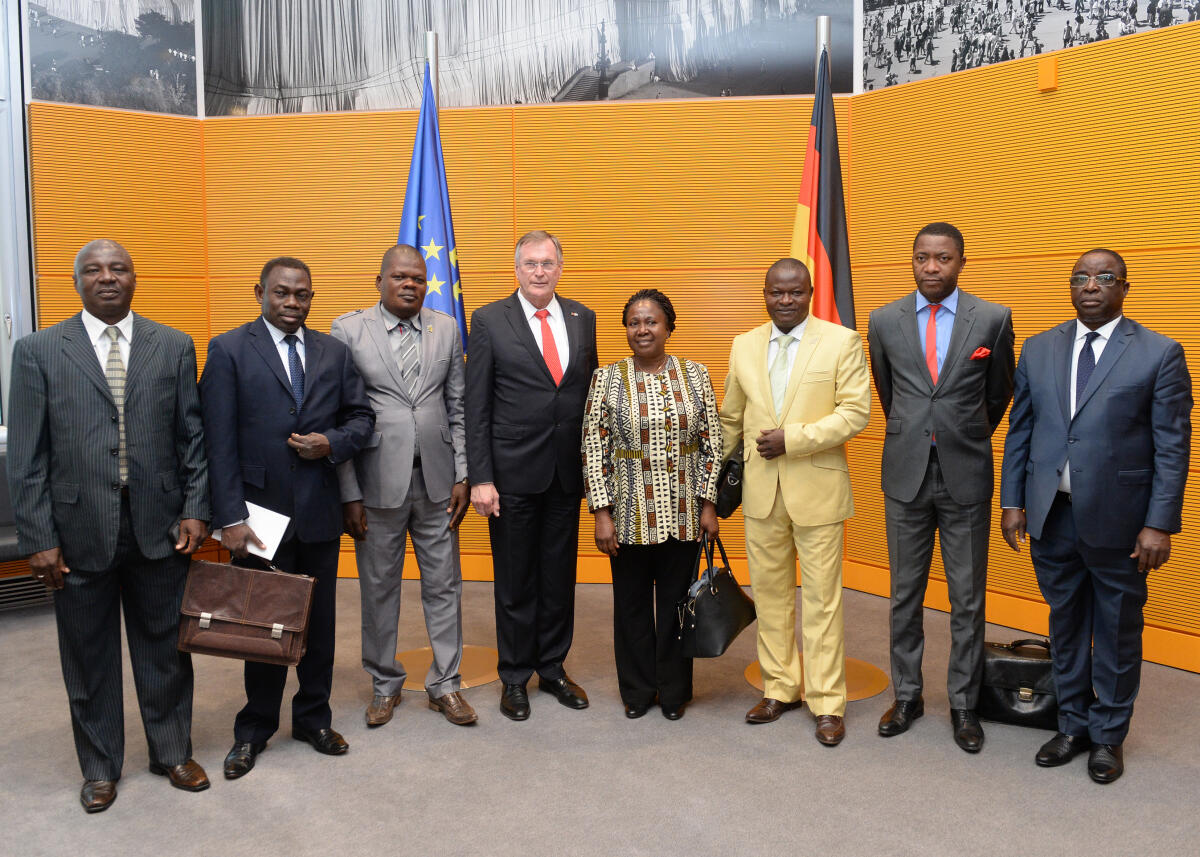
column 705, row 551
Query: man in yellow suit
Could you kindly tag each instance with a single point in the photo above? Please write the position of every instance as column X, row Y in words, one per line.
column 797, row 390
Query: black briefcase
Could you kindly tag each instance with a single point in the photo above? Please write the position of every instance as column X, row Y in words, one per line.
column 1018, row 684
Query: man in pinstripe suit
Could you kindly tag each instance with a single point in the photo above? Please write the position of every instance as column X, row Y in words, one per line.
column 109, row 486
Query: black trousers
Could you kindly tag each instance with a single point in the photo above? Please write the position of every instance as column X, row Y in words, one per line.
column 88, row 612
column 648, row 582
column 259, row 718
column 535, row 540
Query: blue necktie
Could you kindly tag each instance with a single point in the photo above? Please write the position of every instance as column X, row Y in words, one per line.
column 1087, row 363
column 295, row 369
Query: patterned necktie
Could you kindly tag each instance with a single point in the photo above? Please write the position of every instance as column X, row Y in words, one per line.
column 1087, row 363
column 779, row 372
column 410, row 363
column 114, row 371
column 931, row 342
column 295, row 369
column 549, row 348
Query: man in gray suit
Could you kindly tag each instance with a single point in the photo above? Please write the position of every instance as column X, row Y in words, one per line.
column 411, row 478
column 943, row 364
column 109, row 485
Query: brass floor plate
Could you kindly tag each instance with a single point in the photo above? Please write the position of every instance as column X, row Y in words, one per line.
column 863, row 680
column 478, row 666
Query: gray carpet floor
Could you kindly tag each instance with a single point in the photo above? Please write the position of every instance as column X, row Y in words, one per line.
column 592, row 782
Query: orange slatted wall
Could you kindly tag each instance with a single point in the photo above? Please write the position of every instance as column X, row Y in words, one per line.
column 693, row 197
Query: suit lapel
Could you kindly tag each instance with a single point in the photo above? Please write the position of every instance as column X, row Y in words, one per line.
column 575, row 336
column 261, row 341
column 1062, row 367
column 805, row 348
column 314, row 351
column 142, row 349
column 377, row 330
column 79, row 349
column 1112, row 353
column 964, row 320
column 520, row 326
column 762, row 351
column 428, row 349
column 908, row 332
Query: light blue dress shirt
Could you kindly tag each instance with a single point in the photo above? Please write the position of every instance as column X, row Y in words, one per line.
column 944, row 321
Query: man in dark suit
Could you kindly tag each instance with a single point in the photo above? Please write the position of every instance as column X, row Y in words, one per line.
column 283, row 405
column 531, row 362
column 943, row 366
column 410, row 479
column 110, row 491
column 1094, row 469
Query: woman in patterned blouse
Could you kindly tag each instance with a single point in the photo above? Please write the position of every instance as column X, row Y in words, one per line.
column 651, row 438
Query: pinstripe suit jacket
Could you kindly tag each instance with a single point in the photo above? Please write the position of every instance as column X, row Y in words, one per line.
column 63, row 439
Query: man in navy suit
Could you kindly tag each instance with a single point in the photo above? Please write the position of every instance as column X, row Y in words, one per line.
column 1094, row 470
column 531, row 363
column 282, row 406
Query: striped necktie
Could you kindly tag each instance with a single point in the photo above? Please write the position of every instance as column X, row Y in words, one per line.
column 295, row 369
column 114, row 372
column 410, row 358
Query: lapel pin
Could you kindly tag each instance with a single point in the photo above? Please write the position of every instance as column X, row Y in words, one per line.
column 575, row 314
column 429, row 329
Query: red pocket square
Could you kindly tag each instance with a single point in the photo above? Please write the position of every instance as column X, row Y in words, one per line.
column 981, row 353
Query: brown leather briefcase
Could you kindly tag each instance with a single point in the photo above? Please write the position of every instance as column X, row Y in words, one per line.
column 245, row 613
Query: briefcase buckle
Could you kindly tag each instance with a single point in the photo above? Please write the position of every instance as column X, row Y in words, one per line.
column 1026, row 694
column 205, row 620
column 276, row 631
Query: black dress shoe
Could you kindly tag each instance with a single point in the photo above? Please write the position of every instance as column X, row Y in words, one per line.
column 634, row 711
column 97, row 795
column 674, row 712
column 900, row 716
column 968, row 734
column 240, row 760
column 514, row 702
column 1106, row 763
column 1061, row 749
column 567, row 692
column 325, row 741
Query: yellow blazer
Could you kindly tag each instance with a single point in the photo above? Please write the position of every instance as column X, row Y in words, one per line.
column 828, row 401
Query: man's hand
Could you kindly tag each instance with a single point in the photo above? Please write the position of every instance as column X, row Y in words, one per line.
column 48, row 567
column 708, row 520
column 236, row 540
column 1012, row 526
column 460, row 500
column 192, row 533
column 354, row 520
column 770, row 443
column 310, row 446
column 486, row 499
column 606, row 532
column 1153, row 549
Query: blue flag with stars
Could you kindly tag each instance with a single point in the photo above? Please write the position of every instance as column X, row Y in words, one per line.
column 425, row 222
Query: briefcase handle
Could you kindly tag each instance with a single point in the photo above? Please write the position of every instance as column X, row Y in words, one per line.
column 1020, row 644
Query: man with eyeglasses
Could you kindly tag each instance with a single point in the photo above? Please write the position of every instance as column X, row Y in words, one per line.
column 530, row 365
column 1094, row 470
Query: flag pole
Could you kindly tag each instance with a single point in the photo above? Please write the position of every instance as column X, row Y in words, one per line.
column 431, row 57
column 824, row 42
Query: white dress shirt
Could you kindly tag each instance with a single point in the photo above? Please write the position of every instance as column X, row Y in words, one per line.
column 1081, row 332
column 100, row 342
column 558, row 328
column 281, row 347
column 773, row 346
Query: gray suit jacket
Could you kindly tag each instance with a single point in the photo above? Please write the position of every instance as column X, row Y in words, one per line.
column 964, row 407
column 63, row 439
column 430, row 422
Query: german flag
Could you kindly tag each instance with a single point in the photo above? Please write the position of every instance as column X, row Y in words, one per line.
column 819, row 236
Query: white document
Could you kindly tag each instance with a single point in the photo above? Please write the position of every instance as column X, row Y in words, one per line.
column 267, row 525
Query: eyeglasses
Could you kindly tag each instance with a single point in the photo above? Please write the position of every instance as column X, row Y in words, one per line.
column 547, row 265
column 1104, row 281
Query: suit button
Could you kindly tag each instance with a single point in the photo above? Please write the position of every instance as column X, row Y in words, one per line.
column 1070, row 440
column 113, row 451
column 291, row 467
column 291, row 410
column 116, row 486
column 114, row 419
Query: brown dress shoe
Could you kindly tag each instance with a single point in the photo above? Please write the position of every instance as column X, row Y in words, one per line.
column 380, row 710
column 456, row 709
column 97, row 795
column 831, row 729
column 189, row 776
column 769, row 710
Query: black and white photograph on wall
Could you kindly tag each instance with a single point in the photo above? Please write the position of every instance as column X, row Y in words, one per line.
column 906, row 41
column 263, row 56
column 131, row 54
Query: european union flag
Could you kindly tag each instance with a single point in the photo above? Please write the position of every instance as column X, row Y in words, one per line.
column 425, row 222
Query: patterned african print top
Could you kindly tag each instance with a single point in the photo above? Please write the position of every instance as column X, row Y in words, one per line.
column 650, row 448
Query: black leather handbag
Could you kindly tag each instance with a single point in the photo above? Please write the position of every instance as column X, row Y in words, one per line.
column 729, row 484
column 1018, row 684
column 715, row 610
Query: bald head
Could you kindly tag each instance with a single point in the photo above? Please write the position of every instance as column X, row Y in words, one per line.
column 787, row 269
column 97, row 244
column 400, row 251
column 401, row 281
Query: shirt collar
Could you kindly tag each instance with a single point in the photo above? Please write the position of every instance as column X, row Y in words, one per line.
column 796, row 332
column 390, row 319
column 1105, row 330
column 529, row 309
column 950, row 304
column 277, row 335
column 95, row 327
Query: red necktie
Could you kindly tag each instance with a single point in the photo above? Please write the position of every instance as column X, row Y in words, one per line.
column 549, row 349
column 931, row 342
